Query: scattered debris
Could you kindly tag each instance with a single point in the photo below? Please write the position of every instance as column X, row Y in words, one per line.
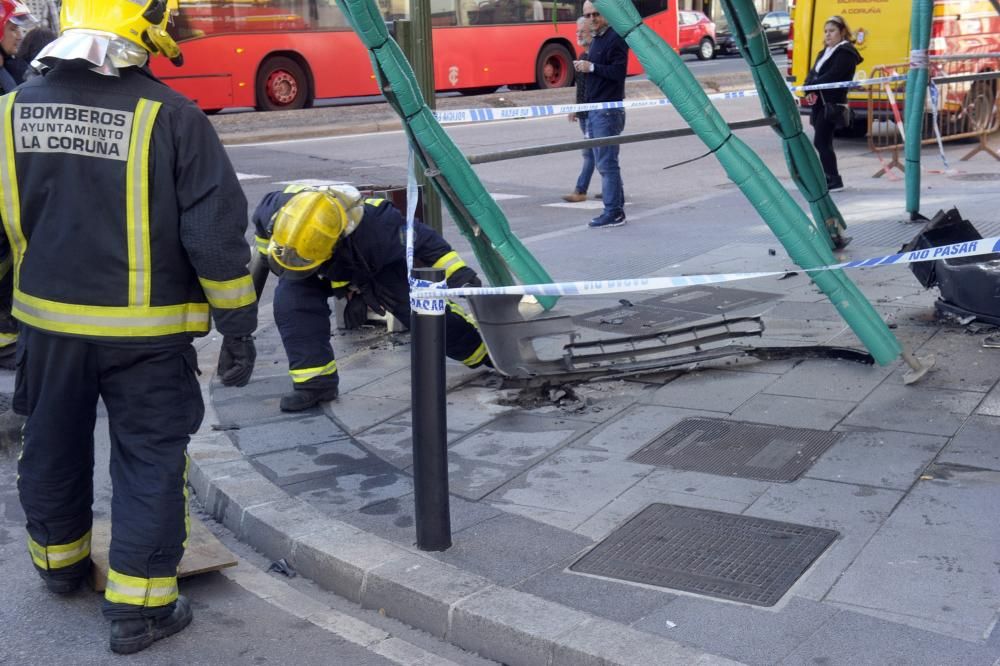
column 992, row 342
column 225, row 426
column 546, row 395
column 283, row 567
column 771, row 251
column 627, row 303
column 788, row 274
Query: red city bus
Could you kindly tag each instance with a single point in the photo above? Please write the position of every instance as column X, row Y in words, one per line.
column 283, row 54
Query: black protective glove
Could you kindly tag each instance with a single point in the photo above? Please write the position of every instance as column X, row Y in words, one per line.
column 355, row 312
column 464, row 277
column 236, row 360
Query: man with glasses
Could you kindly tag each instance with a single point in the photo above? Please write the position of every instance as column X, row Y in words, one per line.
column 605, row 69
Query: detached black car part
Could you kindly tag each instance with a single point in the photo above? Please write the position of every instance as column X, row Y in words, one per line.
column 969, row 286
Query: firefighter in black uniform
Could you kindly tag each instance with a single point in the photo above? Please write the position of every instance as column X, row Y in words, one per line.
column 325, row 242
column 125, row 222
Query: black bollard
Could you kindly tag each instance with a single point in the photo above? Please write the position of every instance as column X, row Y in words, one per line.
column 430, row 420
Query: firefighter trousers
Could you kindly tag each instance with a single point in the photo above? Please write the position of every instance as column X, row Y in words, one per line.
column 302, row 314
column 154, row 403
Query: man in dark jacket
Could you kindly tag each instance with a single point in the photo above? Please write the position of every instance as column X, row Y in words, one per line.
column 605, row 69
column 835, row 63
column 330, row 242
column 124, row 222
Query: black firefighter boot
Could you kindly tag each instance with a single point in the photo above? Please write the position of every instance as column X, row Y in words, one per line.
column 128, row 636
column 304, row 398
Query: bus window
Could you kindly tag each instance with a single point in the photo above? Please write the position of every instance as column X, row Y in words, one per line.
column 649, row 7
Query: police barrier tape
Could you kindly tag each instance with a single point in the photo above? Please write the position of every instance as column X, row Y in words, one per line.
column 953, row 251
column 545, row 110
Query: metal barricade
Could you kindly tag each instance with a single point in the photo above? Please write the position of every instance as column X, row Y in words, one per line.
column 964, row 105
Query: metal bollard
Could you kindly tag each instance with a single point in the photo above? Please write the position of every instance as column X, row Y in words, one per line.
column 430, row 419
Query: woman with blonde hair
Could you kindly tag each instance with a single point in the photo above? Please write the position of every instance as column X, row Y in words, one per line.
column 836, row 62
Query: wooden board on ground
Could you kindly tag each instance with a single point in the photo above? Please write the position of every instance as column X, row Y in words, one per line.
column 204, row 552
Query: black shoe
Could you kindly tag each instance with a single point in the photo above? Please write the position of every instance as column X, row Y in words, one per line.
column 63, row 586
column 840, row 241
column 128, row 636
column 300, row 399
column 835, row 184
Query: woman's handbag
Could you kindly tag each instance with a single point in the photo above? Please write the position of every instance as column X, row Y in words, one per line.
column 837, row 115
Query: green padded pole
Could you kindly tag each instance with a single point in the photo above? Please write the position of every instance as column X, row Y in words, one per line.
column 472, row 208
column 777, row 102
column 921, row 15
column 790, row 225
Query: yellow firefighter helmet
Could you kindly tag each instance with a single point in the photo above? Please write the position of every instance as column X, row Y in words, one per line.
column 305, row 232
column 142, row 22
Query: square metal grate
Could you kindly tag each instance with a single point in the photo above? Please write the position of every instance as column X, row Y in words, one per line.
column 736, row 448
column 753, row 560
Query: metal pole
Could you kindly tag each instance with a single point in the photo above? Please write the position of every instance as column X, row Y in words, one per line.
column 421, row 55
column 546, row 149
column 430, row 418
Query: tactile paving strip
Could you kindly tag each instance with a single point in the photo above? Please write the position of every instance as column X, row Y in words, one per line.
column 753, row 560
column 736, row 448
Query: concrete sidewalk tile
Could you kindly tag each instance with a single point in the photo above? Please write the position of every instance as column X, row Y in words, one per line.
column 349, row 490
column 975, row 445
column 511, row 627
column 611, row 599
column 693, row 489
column 356, row 413
column 517, row 440
column 950, row 583
column 201, row 476
column 856, row 512
column 394, row 386
column 991, row 403
column 602, row 643
column 393, row 519
column 959, row 502
column 312, row 460
column 471, row 407
column 716, row 389
column 340, row 556
column 257, row 388
column 208, row 447
column 266, row 438
column 960, row 363
column 854, row 639
column 879, row 458
column 805, row 311
column 911, row 336
column 635, row 428
column 419, row 591
column 931, row 411
column 751, row 635
column 274, row 527
column 391, row 441
column 572, row 484
column 794, row 412
column 829, row 379
column 473, row 479
column 508, row 549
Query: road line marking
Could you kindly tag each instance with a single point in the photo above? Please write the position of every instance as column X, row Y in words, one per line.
column 351, row 629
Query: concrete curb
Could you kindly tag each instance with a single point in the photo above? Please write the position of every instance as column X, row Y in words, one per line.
column 466, row 610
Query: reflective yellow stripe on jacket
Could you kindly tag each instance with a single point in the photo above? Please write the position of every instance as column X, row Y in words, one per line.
column 477, row 356
column 450, row 262
column 301, row 375
column 146, row 592
column 59, row 556
column 10, row 201
column 229, row 294
column 138, row 318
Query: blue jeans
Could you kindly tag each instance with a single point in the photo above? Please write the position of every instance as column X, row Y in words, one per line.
column 583, row 182
column 608, row 122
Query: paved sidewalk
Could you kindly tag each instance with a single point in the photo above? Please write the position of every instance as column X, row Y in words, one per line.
column 910, row 486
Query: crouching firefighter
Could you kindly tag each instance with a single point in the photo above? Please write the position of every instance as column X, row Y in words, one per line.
column 330, row 242
column 125, row 222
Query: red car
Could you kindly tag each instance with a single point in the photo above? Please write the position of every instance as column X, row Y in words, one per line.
column 695, row 34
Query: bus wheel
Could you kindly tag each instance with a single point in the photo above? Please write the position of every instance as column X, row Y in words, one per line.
column 281, row 85
column 554, row 68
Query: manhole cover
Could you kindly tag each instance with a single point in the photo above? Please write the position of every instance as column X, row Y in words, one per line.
column 976, row 176
column 735, row 448
column 711, row 300
column 721, row 555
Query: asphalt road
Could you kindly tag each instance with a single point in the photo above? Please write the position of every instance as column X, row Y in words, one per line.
column 239, row 616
